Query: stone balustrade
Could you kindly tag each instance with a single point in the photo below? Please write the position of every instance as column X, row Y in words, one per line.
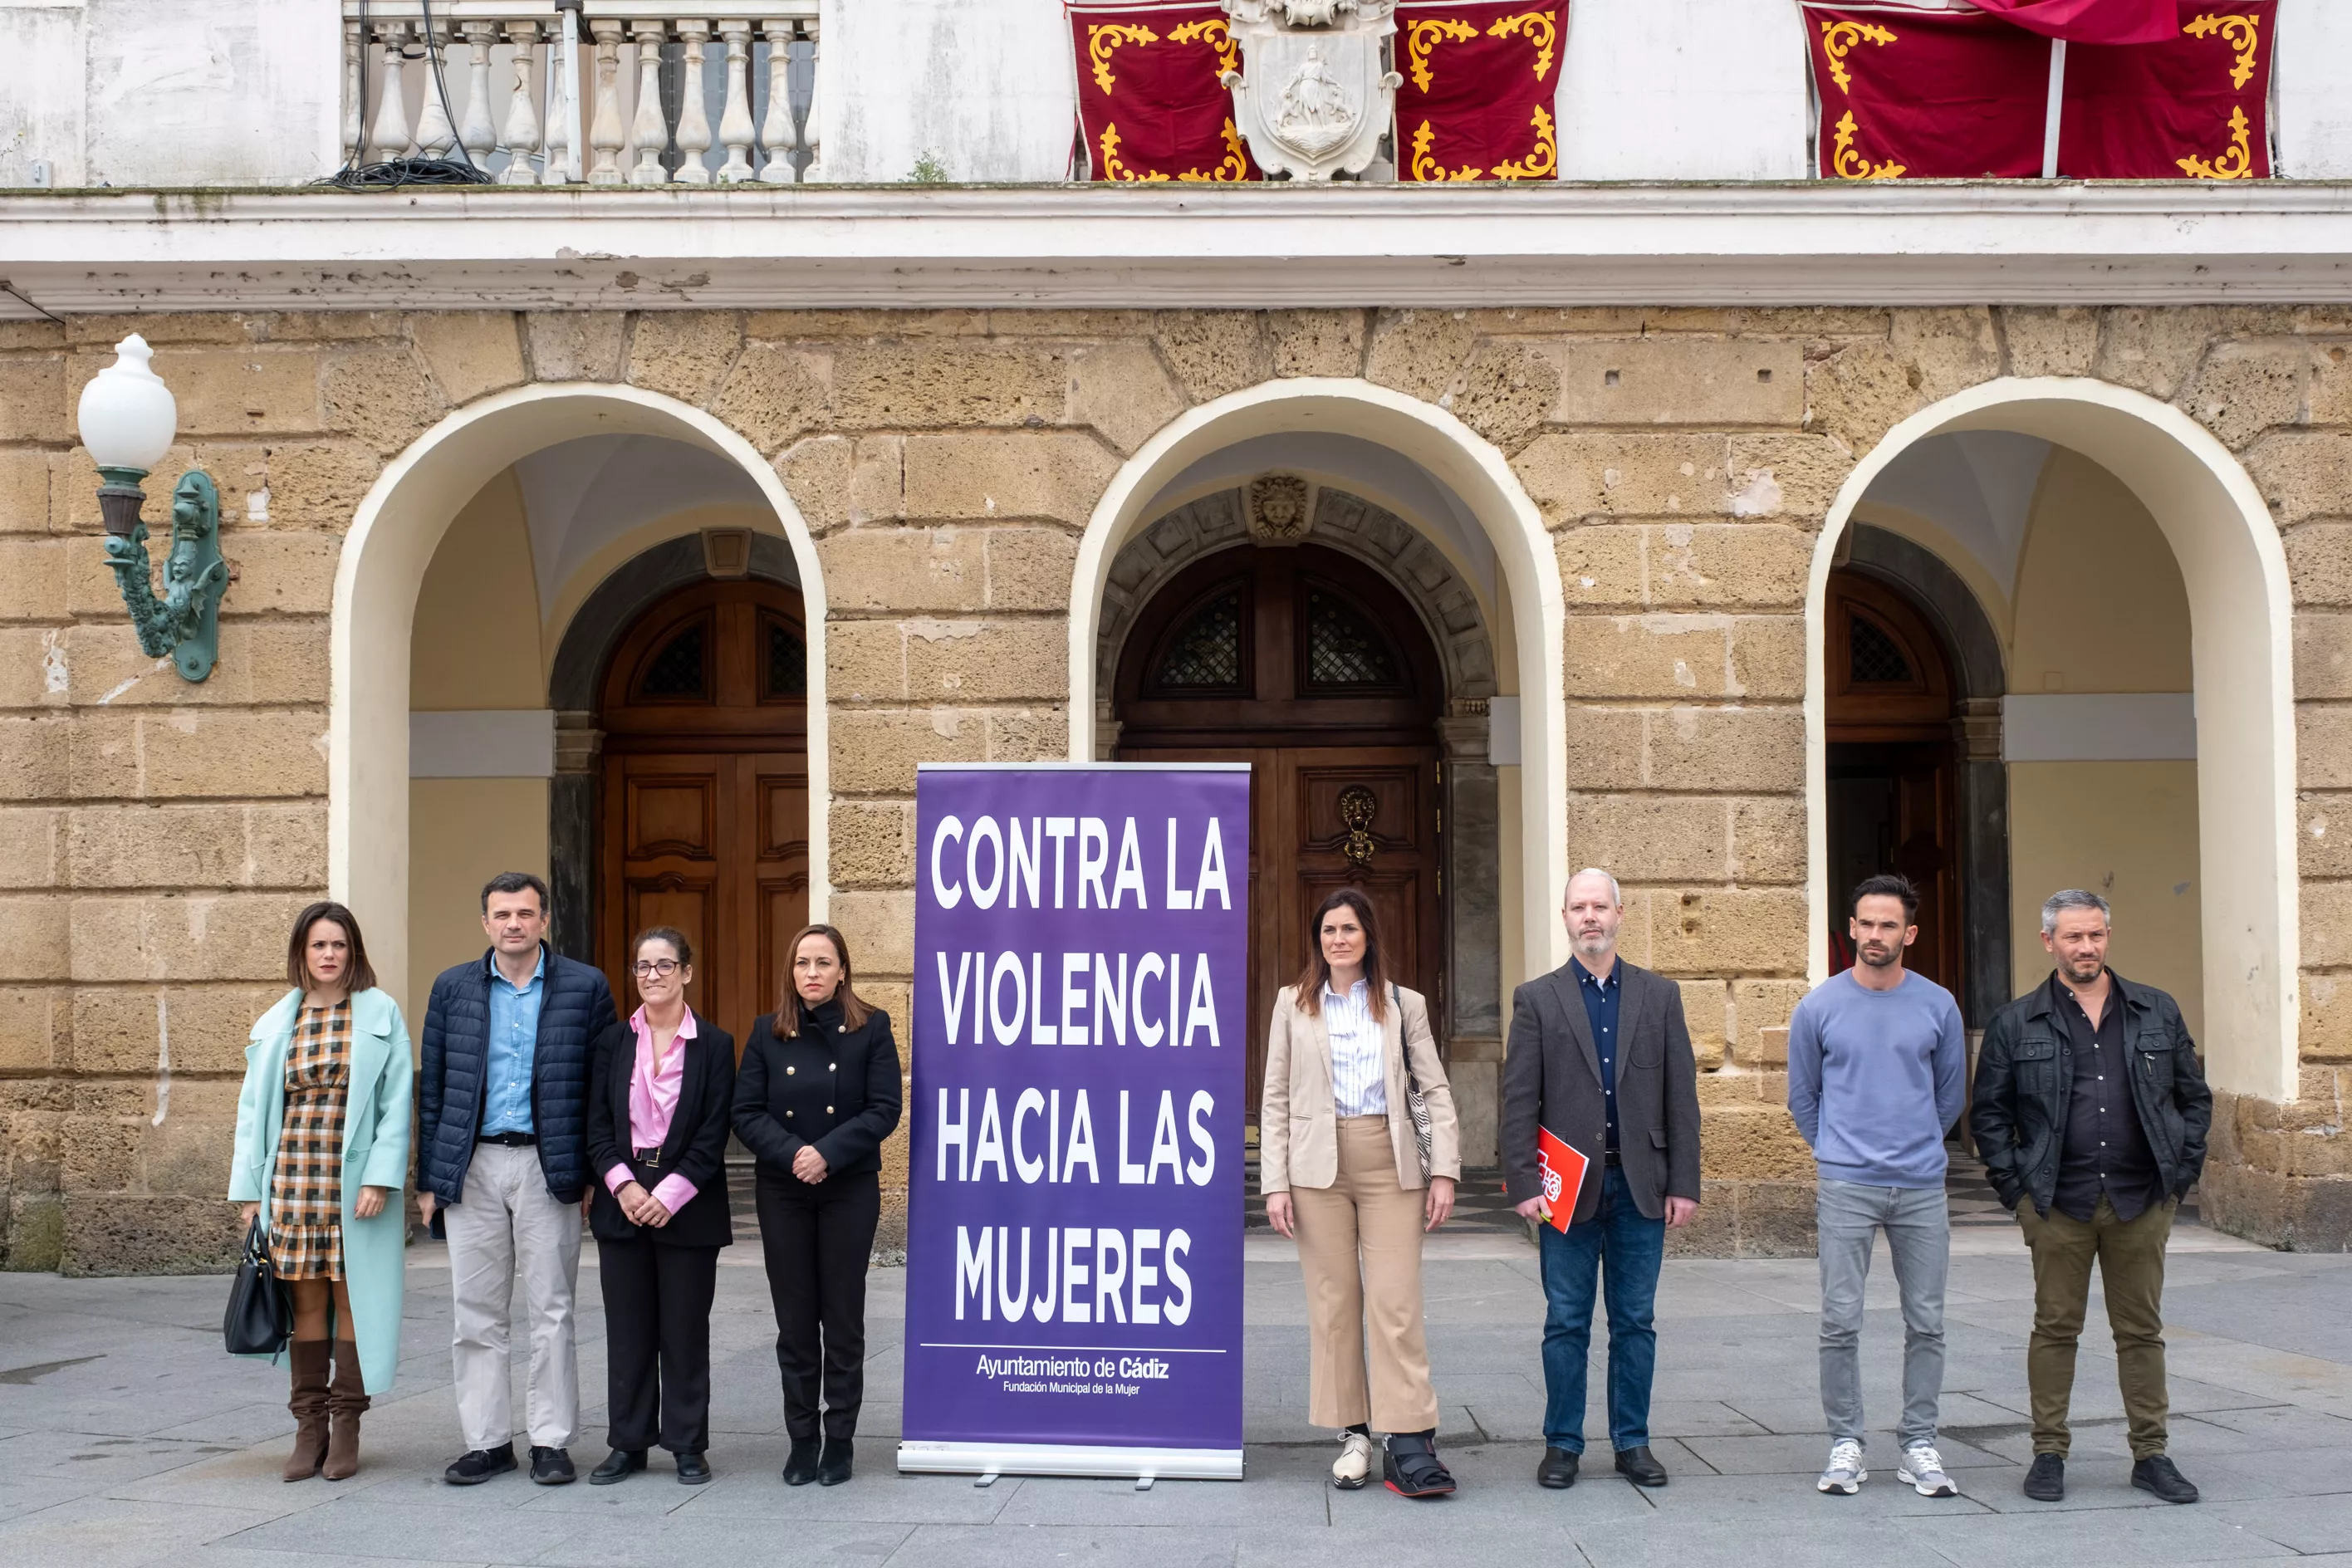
column 607, row 93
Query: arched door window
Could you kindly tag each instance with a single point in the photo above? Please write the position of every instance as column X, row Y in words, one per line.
column 704, row 808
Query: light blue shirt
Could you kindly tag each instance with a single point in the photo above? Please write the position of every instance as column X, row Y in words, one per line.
column 514, row 1045
column 1359, row 1086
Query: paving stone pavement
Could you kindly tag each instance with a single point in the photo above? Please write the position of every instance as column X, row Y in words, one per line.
column 127, row 1438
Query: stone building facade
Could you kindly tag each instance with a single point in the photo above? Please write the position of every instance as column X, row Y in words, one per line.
column 961, row 484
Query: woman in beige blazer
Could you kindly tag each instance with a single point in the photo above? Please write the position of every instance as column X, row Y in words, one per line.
column 1341, row 1172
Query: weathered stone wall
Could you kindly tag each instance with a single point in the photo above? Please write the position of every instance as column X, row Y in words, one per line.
column 156, row 836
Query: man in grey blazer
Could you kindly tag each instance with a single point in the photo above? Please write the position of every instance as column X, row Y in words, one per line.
column 1600, row 1055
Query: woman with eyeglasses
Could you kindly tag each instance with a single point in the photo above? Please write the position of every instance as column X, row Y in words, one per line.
column 818, row 1092
column 659, row 1099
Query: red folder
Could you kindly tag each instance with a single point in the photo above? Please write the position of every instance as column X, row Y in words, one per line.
column 1562, row 1170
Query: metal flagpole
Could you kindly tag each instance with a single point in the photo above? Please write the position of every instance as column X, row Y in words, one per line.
column 2050, row 119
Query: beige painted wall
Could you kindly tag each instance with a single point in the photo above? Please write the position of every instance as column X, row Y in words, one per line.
column 463, row 832
column 476, row 640
column 2101, row 607
column 477, row 646
column 2127, row 831
column 2100, row 602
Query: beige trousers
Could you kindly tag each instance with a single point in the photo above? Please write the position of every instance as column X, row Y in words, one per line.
column 507, row 1225
column 1359, row 1247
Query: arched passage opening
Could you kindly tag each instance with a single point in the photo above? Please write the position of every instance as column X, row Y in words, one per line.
column 2141, row 591
column 1401, row 516
column 401, row 525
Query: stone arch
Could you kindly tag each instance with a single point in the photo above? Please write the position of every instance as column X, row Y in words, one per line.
column 393, row 533
column 2229, row 554
column 1349, row 523
column 1476, row 474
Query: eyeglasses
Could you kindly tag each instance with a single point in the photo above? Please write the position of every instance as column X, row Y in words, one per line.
column 656, row 968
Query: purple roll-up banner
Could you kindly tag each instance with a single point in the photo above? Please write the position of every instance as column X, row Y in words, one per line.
column 1074, row 1205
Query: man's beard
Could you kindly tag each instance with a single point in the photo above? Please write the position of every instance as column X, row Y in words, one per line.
column 2074, row 970
column 1879, row 957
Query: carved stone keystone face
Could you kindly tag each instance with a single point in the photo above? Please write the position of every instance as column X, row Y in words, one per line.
column 1277, row 508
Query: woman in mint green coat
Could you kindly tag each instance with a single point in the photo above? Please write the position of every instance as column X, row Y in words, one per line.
column 321, row 1158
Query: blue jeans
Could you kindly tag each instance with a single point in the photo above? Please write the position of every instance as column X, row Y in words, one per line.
column 1623, row 1249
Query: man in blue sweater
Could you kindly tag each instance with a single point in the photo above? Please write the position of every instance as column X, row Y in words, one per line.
column 1876, row 1067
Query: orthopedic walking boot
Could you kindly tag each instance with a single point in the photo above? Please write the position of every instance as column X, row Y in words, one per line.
column 1411, row 1467
column 308, row 1404
column 347, row 1401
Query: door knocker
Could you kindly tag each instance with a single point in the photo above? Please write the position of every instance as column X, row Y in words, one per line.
column 1358, row 806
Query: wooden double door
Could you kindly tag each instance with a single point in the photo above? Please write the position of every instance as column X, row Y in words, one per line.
column 1312, row 669
column 704, row 792
column 1894, row 778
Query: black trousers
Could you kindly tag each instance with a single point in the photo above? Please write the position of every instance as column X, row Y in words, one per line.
column 657, row 1343
column 818, row 1240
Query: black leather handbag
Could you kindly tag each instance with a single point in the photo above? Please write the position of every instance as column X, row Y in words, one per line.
column 259, row 1320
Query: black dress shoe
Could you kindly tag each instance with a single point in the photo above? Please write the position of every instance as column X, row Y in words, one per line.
column 2046, row 1482
column 2157, row 1474
column 1557, row 1468
column 834, row 1469
column 693, row 1470
column 551, row 1467
column 800, row 1465
column 618, row 1465
column 1641, row 1467
column 471, row 1469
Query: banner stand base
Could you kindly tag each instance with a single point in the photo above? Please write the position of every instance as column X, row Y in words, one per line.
column 1069, row 1459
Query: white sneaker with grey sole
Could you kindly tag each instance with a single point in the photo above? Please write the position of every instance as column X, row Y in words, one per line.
column 1354, row 1463
column 1845, row 1475
column 1923, row 1469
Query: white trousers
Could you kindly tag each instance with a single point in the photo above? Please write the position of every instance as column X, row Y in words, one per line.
column 507, row 1220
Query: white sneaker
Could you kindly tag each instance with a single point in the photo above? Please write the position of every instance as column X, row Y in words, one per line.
column 1354, row 1463
column 1845, row 1475
column 1922, row 1468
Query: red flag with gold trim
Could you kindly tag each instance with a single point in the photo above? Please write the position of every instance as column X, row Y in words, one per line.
column 1918, row 94
column 1480, row 86
column 2195, row 107
column 1151, row 106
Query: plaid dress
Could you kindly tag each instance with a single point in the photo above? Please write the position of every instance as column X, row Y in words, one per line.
column 306, row 1195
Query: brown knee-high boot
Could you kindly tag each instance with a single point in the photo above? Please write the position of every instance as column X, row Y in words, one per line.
column 347, row 1401
column 308, row 1404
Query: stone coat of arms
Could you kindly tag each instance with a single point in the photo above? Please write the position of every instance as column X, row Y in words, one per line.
column 1317, row 94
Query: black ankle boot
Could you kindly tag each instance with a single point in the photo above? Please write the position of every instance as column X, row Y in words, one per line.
column 834, row 1468
column 800, row 1466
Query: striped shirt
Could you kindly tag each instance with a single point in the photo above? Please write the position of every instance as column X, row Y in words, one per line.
column 1359, row 1086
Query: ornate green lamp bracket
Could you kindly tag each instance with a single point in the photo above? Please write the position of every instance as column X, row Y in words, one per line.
column 184, row 620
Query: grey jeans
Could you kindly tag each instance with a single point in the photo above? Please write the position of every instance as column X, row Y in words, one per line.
column 1919, row 1234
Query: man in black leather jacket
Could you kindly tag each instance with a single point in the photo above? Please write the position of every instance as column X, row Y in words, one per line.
column 2091, row 1112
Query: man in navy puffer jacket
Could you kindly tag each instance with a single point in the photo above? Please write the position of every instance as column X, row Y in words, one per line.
column 501, row 1156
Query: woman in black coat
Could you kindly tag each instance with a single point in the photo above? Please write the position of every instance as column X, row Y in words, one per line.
column 815, row 1096
column 660, row 1095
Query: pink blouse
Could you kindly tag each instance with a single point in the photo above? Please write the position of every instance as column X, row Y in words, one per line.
column 653, row 1103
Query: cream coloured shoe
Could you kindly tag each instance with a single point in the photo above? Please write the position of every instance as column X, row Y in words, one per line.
column 1354, row 1464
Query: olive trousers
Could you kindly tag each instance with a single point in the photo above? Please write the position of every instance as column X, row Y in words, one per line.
column 2130, row 1256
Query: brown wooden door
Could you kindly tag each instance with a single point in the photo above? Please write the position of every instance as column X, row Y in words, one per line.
column 705, row 808
column 1313, row 669
column 1893, row 767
